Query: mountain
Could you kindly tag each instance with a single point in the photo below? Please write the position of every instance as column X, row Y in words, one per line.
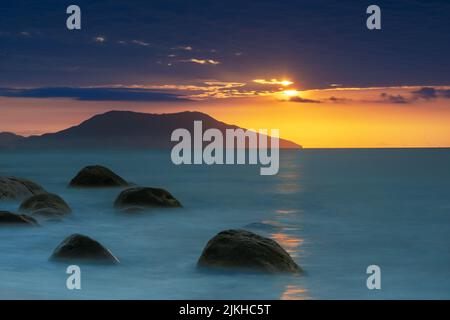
column 9, row 138
column 128, row 129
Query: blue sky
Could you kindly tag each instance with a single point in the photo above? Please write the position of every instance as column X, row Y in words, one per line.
column 316, row 43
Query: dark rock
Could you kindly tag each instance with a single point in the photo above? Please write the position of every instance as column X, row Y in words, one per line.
column 78, row 247
column 145, row 197
column 97, row 177
column 45, row 204
column 18, row 219
column 242, row 249
column 13, row 188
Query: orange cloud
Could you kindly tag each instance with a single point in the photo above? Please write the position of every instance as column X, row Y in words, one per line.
column 274, row 82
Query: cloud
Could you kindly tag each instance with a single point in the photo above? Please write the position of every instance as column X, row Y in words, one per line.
column 202, row 61
column 212, row 89
column 184, row 48
column 338, row 99
column 273, row 82
column 426, row 93
column 303, row 100
column 140, row 43
column 215, row 89
column 391, row 95
column 93, row 94
column 430, row 93
column 389, row 98
column 100, row 39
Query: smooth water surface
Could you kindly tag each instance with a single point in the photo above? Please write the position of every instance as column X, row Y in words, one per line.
column 335, row 211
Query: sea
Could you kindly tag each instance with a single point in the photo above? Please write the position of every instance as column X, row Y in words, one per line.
column 335, row 211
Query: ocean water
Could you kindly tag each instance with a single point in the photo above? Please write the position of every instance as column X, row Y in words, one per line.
column 335, row 211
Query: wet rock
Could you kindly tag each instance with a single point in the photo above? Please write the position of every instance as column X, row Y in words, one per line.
column 81, row 248
column 9, row 218
column 45, row 204
column 97, row 177
column 13, row 188
column 145, row 197
column 241, row 249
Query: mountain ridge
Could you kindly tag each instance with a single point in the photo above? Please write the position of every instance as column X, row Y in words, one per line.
column 117, row 128
column 9, row 138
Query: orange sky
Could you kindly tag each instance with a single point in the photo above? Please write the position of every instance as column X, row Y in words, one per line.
column 359, row 121
column 331, row 126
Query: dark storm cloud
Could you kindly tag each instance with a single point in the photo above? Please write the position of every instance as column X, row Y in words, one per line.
column 92, row 94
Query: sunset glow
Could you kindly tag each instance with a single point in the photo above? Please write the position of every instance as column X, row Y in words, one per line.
column 290, row 93
column 317, row 96
column 329, row 118
column 274, row 81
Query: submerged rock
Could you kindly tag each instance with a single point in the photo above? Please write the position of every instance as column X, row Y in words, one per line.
column 145, row 197
column 78, row 247
column 13, row 188
column 242, row 249
column 97, row 177
column 8, row 218
column 45, row 204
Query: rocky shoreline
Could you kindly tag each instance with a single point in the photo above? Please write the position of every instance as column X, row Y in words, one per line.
column 228, row 250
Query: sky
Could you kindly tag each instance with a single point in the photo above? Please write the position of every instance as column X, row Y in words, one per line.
column 311, row 69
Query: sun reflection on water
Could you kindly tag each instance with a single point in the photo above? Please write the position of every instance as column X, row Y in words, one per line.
column 290, row 243
column 286, row 212
column 293, row 292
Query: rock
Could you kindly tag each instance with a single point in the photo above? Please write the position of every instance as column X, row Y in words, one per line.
column 19, row 219
column 242, row 249
column 97, row 177
column 13, row 188
column 45, row 204
column 78, row 247
column 145, row 197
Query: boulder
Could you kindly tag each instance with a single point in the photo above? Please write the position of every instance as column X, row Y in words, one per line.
column 8, row 218
column 145, row 197
column 97, row 177
column 81, row 248
column 241, row 249
column 13, row 188
column 45, row 204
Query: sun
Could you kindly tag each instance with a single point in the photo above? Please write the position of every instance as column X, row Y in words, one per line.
column 286, row 83
column 290, row 93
